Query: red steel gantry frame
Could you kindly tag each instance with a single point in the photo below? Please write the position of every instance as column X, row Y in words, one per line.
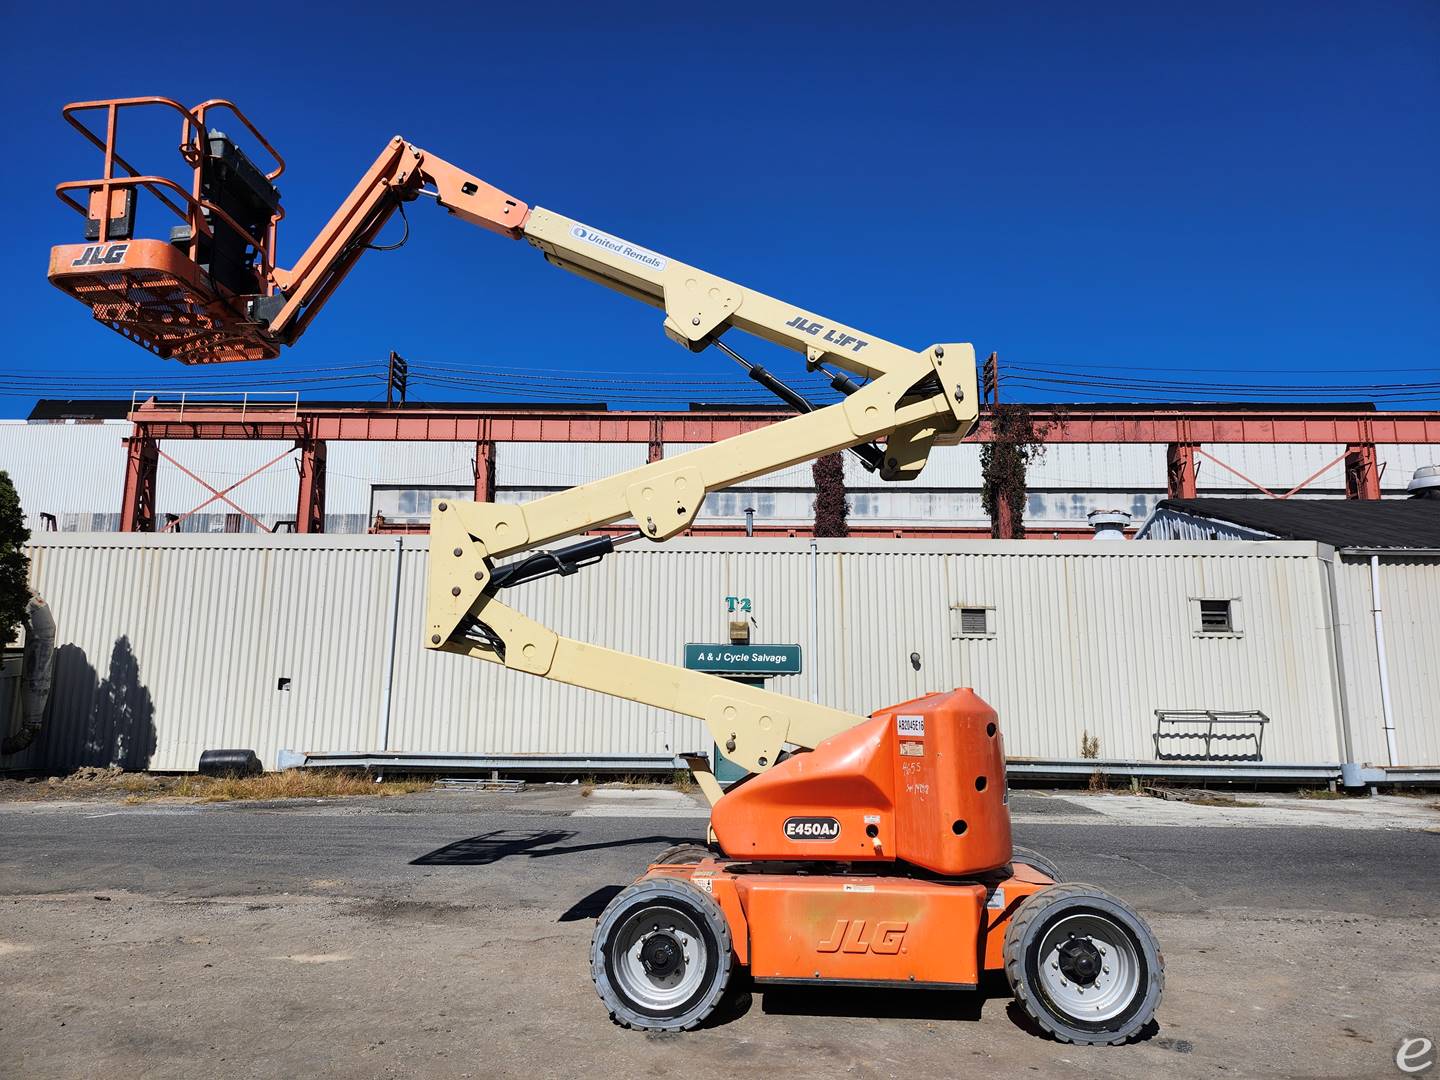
column 1181, row 432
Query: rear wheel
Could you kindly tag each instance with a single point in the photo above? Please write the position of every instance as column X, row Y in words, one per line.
column 1084, row 965
column 660, row 956
column 679, row 854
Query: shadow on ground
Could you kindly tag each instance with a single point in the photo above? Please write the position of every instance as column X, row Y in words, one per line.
column 902, row 1003
column 591, row 906
column 500, row 844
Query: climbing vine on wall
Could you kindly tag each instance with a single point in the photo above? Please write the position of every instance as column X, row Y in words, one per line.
column 832, row 508
column 1015, row 444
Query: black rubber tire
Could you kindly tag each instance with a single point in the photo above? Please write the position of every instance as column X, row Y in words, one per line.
column 1040, row 862
column 662, row 894
column 1022, row 943
column 681, row 854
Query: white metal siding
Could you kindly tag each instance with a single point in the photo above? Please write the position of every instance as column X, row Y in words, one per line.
column 66, row 469
column 1085, row 640
column 1278, row 466
column 1410, row 599
column 1399, row 462
column 563, row 465
column 271, row 493
column 1086, row 637
column 1178, row 525
column 353, row 468
column 171, row 645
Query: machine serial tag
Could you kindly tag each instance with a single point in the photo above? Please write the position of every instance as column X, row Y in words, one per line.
column 912, row 749
column 910, row 726
column 996, row 902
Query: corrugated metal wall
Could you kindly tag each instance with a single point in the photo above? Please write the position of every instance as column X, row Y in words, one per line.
column 172, row 645
column 1090, row 637
column 1172, row 524
column 1410, row 602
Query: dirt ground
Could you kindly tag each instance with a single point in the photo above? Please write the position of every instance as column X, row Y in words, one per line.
column 446, row 936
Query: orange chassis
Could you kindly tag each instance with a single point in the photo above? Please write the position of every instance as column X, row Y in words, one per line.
column 862, row 930
column 880, row 858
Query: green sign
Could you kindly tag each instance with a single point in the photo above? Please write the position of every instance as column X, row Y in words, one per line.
column 744, row 659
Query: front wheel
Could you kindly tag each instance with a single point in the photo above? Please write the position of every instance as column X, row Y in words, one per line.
column 1045, row 865
column 661, row 956
column 1084, row 965
column 681, row 854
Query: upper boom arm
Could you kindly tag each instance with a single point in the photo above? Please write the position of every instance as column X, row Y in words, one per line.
column 399, row 175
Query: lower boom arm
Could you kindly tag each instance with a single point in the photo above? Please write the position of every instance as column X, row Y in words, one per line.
column 464, row 616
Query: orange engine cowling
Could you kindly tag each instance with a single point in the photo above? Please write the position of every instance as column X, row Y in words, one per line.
column 922, row 783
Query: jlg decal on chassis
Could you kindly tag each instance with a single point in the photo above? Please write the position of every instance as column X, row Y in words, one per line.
column 849, row 936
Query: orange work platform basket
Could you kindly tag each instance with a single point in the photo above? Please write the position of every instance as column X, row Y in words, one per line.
column 200, row 296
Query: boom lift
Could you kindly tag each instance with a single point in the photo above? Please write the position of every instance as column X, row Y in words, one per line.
column 859, row 851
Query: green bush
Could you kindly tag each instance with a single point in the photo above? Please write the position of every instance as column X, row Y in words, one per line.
column 14, row 565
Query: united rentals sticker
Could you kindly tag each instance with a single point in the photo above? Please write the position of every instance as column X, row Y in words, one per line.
column 616, row 246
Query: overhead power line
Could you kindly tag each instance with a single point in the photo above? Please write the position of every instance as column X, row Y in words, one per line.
column 1082, row 381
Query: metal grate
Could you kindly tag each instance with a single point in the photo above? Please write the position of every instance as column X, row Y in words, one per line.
column 974, row 621
column 168, row 315
column 1215, row 617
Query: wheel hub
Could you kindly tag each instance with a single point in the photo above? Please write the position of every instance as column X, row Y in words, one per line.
column 661, row 954
column 1080, row 961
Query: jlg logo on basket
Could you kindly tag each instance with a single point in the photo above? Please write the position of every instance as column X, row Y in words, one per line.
column 849, row 936
column 812, row 828
column 101, row 255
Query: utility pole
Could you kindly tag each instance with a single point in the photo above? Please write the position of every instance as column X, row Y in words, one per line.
column 396, row 379
column 991, row 379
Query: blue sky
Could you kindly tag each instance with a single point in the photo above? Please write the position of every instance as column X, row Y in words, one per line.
column 1225, row 194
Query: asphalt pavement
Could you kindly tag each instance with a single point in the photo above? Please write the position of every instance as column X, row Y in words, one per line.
column 445, row 934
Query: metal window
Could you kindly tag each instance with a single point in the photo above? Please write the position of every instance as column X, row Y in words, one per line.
column 410, row 504
column 1215, row 617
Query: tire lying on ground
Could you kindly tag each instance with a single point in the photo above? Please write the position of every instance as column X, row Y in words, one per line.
column 239, row 763
column 1084, row 965
column 1045, row 865
column 681, row 854
column 660, row 956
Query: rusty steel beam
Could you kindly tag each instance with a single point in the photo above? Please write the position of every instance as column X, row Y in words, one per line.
column 1180, row 470
column 803, row 532
column 561, row 425
column 142, row 464
column 1362, row 472
column 485, row 471
column 310, row 500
